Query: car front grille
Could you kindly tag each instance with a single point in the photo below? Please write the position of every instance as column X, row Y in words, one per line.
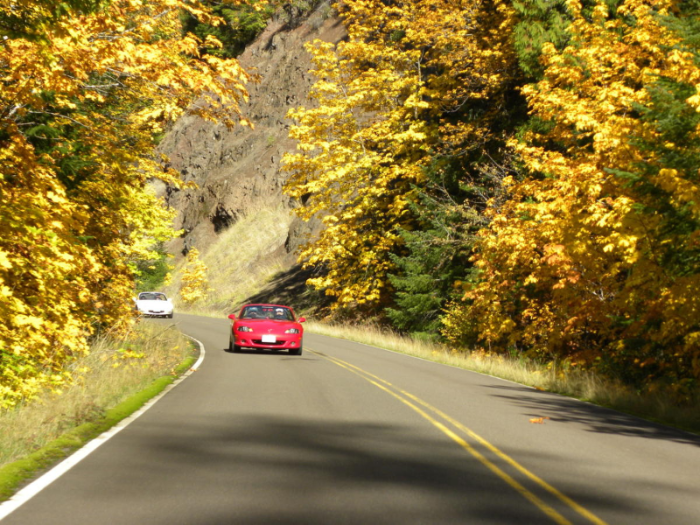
column 276, row 343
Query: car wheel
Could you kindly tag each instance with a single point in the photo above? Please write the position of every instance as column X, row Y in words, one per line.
column 170, row 315
column 233, row 347
column 295, row 351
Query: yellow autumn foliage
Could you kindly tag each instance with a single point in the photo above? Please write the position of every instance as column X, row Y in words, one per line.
column 194, row 284
column 84, row 94
column 384, row 99
column 582, row 262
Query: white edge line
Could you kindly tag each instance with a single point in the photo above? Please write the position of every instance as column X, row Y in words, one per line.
column 36, row 486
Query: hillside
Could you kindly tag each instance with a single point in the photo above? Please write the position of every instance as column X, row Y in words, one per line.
column 237, row 171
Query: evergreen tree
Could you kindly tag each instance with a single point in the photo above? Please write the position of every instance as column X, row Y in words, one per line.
column 435, row 256
column 428, row 271
column 540, row 22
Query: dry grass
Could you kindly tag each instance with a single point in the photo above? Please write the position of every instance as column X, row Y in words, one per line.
column 240, row 261
column 582, row 385
column 114, row 370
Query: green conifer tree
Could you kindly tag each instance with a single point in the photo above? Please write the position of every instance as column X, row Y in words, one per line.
column 435, row 257
column 542, row 21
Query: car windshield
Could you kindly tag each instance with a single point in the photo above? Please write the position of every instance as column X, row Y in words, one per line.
column 152, row 296
column 267, row 312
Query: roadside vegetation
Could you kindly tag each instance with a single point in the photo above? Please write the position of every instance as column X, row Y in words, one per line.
column 114, row 380
column 241, row 260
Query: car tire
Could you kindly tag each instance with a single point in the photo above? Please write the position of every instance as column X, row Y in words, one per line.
column 295, row 351
column 170, row 315
column 233, row 348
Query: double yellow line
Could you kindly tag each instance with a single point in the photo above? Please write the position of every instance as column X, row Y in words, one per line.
column 438, row 419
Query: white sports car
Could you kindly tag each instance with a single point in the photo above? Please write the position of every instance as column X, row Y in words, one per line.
column 154, row 304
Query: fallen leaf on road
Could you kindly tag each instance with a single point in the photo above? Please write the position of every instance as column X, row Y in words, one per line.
column 538, row 420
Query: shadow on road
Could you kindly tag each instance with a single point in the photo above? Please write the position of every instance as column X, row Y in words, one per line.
column 595, row 418
column 262, row 470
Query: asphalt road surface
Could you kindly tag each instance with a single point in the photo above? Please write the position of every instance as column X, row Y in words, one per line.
column 350, row 434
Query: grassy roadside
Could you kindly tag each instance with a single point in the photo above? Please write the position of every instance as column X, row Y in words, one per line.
column 111, row 383
column 240, row 261
column 569, row 382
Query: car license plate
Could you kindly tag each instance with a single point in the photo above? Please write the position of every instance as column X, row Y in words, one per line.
column 269, row 339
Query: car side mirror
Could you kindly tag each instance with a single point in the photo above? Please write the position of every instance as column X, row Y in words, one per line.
column 302, row 319
column 232, row 317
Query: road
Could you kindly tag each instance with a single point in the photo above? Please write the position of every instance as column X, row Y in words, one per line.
column 350, row 434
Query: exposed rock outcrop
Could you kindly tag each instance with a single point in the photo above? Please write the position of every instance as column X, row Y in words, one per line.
column 238, row 170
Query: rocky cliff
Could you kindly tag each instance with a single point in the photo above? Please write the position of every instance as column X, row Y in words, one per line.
column 238, row 170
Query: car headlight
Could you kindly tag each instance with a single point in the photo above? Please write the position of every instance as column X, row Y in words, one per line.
column 292, row 331
column 244, row 329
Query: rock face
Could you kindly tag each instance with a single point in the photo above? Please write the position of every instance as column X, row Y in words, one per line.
column 238, row 170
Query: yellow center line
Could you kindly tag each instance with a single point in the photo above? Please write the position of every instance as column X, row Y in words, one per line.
column 383, row 385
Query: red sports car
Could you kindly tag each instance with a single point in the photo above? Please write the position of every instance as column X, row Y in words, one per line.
column 266, row 326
